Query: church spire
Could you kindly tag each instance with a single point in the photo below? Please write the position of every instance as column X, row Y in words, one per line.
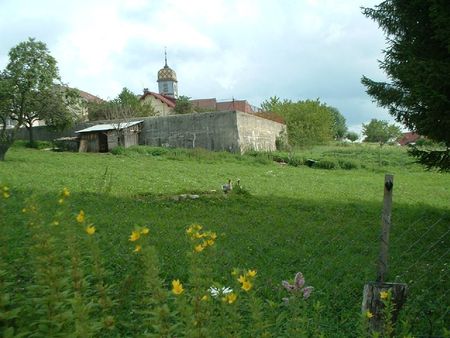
column 167, row 79
column 165, row 57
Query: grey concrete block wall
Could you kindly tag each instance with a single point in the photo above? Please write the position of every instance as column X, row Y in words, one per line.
column 217, row 131
column 213, row 131
column 257, row 133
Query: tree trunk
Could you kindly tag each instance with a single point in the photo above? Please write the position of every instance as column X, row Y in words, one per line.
column 3, row 149
column 31, row 136
column 6, row 141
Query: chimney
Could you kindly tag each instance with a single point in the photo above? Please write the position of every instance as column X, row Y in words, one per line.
column 145, row 90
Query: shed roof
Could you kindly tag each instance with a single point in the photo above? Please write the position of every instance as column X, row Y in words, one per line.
column 108, row 126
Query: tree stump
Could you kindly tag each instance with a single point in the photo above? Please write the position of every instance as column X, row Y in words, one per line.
column 373, row 303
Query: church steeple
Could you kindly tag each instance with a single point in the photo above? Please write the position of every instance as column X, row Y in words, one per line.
column 165, row 58
column 167, row 80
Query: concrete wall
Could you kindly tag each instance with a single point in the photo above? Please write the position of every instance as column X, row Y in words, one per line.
column 256, row 133
column 44, row 133
column 213, row 131
column 218, row 131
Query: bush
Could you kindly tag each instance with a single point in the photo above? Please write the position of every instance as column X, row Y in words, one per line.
column 348, row 164
column 118, row 151
column 157, row 151
column 66, row 144
column 295, row 160
column 327, row 163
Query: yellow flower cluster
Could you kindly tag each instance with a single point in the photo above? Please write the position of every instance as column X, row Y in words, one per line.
column 369, row 314
column 177, row 287
column 246, row 279
column 136, row 235
column 204, row 239
column 230, row 298
column 384, row 295
column 5, row 191
column 31, row 208
column 64, row 194
column 81, row 218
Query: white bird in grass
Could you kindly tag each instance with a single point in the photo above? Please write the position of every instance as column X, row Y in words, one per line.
column 227, row 187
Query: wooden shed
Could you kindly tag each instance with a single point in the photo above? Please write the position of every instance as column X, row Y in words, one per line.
column 104, row 137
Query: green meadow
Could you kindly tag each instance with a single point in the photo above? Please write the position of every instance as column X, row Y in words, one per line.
column 323, row 221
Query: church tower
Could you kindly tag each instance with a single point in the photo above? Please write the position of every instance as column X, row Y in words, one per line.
column 167, row 80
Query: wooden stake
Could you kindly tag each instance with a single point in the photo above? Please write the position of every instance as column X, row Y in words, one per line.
column 385, row 228
column 372, row 301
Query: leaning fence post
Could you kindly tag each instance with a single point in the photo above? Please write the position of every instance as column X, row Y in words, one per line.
column 372, row 301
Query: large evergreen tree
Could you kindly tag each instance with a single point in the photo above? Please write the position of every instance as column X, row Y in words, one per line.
column 417, row 62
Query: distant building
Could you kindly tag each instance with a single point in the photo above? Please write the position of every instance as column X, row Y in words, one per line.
column 164, row 105
column 214, row 105
column 409, row 138
column 104, row 137
column 167, row 80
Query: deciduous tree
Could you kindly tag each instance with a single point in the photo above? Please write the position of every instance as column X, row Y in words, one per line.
column 380, row 131
column 308, row 122
column 32, row 74
column 352, row 136
column 183, row 105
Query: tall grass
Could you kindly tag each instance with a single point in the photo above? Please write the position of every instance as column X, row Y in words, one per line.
column 292, row 218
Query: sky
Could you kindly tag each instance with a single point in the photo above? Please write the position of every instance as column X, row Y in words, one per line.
column 241, row 49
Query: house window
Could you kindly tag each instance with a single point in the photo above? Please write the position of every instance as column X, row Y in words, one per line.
column 165, row 88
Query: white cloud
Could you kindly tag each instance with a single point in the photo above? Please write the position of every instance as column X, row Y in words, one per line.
column 247, row 49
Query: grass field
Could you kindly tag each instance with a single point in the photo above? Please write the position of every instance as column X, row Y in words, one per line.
column 324, row 223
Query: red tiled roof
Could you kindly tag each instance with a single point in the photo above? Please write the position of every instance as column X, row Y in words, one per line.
column 409, row 137
column 89, row 97
column 170, row 101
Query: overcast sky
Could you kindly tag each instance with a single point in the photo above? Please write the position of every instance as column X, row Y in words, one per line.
column 242, row 49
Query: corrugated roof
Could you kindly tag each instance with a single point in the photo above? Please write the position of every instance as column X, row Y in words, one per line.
column 108, row 126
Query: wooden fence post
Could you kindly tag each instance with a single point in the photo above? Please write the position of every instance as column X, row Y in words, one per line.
column 385, row 228
column 371, row 297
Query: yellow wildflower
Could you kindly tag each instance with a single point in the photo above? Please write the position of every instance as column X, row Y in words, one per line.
column 251, row 273
column 242, row 279
column 80, row 217
column 230, row 298
column 235, row 271
column 5, row 188
column 199, row 248
column 61, row 201
column 90, row 230
column 24, row 210
column 137, row 248
column 369, row 314
column 177, row 287
column 144, row 231
column 383, row 295
column 66, row 192
column 6, row 194
column 55, row 223
column 204, row 298
column 213, row 235
column 246, row 285
column 135, row 235
column 210, row 242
